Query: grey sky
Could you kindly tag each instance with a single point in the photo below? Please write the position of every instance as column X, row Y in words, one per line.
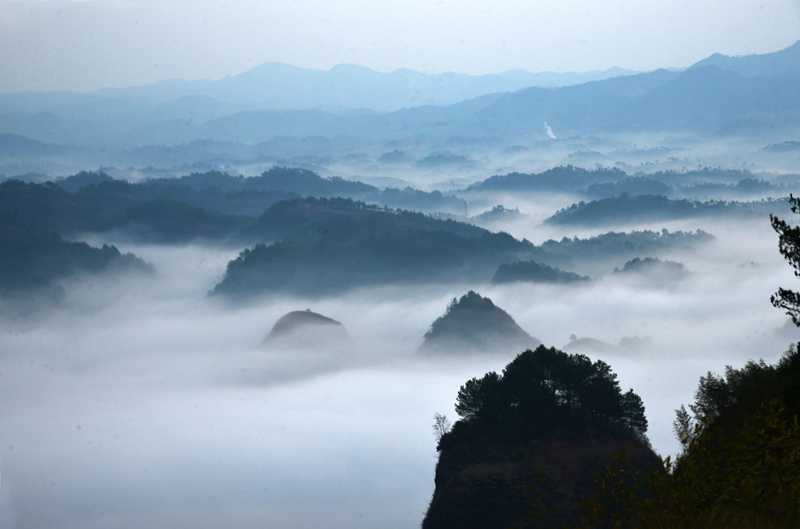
column 84, row 45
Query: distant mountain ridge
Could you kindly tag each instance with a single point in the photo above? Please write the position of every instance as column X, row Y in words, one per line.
column 782, row 62
column 278, row 86
column 723, row 96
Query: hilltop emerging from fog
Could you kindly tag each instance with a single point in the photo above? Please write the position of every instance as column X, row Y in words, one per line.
column 474, row 324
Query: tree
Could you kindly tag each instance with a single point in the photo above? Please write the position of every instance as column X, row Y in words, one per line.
column 789, row 246
column 633, row 413
column 475, row 397
column 441, row 426
column 741, row 444
column 544, row 391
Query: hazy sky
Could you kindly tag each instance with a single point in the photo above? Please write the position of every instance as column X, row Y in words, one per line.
column 84, row 45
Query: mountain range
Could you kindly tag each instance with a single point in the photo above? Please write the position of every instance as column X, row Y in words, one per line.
column 718, row 95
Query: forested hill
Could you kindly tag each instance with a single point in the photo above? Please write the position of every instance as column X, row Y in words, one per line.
column 34, row 258
column 322, row 245
column 474, row 324
column 563, row 178
column 327, row 246
column 636, row 209
column 612, row 182
column 210, row 206
column 597, row 255
column 529, row 439
column 238, row 195
column 343, row 219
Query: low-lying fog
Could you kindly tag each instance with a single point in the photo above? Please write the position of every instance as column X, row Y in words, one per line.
column 143, row 403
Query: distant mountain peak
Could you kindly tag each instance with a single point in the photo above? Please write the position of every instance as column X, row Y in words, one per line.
column 781, row 62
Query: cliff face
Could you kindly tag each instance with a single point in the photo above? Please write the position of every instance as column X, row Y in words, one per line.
column 531, row 442
column 487, row 484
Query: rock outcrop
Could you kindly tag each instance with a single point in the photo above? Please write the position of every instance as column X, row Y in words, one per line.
column 547, row 443
column 486, row 484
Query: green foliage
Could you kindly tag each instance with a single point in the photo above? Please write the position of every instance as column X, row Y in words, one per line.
column 619, row 493
column 739, row 465
column 741, row 475
column 477, row 398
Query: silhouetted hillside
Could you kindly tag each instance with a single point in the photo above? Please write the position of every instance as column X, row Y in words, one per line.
column 251, row 196
column 321, row 266
column 325, row 246
column 601, row 254
column 473, row 324
column 563, row 178
column 341, row 219
column 588, row 345
column 534, row 272
column 653, row 270
column 499, row 215
column 44, row 208
column 779, row 63
column 73, row 183
column 530, row 440
column 304, row 329
column 704, row 99
column 31, row 260
column 647, row 208
column 168, row 221
column 630, row 186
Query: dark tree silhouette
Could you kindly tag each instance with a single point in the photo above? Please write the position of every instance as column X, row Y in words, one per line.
column 633, row 413
column 789, row 245
column 543, row 391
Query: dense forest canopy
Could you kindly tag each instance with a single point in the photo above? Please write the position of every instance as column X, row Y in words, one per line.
column 546, row 392
column 534, row 272
column 643, row 208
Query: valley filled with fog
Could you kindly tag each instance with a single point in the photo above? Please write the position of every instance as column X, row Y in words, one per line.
column 151, row 237
column 139, row 400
